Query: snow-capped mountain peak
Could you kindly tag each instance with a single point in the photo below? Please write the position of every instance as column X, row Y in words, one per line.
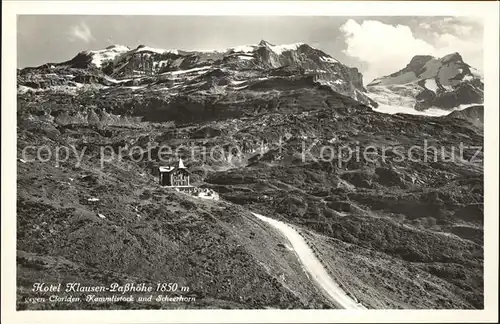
column 449, row 70
column 279, row 49
column 107, row 54
column 447, row 83
column 118, row 47
column 144, row 48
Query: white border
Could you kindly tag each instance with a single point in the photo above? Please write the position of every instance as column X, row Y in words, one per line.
column 487, row 10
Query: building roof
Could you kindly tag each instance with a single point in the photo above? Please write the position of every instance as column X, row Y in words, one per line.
column 172, row 168
column 166, row 168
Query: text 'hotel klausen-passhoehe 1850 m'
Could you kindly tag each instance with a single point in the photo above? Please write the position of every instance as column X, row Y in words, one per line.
column 114, row 287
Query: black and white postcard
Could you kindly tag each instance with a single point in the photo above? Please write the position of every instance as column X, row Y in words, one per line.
column 249, row 161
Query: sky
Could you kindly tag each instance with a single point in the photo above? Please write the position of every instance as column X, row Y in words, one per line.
column 377, row 46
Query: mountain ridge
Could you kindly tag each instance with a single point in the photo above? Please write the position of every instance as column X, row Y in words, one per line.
column 120, row 62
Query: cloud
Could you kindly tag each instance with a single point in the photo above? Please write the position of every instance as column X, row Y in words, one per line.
column 460, row 26
column 81, row 32
column 463, row 30
column 384, row 48
column 425, row 26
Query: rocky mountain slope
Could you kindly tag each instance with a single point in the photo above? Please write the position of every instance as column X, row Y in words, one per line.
column 426, row 82
column 394, row 232
column 166, row 73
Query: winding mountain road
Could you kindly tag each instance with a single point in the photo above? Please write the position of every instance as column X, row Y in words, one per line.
column 313, row 266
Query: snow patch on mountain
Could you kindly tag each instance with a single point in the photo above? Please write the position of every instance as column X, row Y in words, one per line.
column 200, row 69
column 432, row 111
column 107, row 54
column 391, row 110
column 159, row 64
column 395, row 95
column 155, row 50
column 431, row 85
column 279, row 49
column 241, row 57
column 236, row 82
column 244, row 48
column 133, row 88
column 328, row 59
